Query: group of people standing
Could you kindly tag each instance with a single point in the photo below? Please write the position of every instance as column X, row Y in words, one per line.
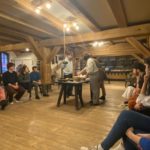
column 93, row 71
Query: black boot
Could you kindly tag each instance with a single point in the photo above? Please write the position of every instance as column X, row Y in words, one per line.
column 3, row 104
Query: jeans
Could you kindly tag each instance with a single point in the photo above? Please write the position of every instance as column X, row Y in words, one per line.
column 126, row 120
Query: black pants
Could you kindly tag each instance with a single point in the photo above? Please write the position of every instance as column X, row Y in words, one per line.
column 69, row 88
column 11, row 91
column 27, row 86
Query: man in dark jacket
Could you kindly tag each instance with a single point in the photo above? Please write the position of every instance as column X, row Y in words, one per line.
column 10, row 80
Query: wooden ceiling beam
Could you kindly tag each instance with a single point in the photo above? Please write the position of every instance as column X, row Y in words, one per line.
column 138, row 58
column 118, row 12
column 13, row 33
column 138, row 46
column 24, row 24
column 35, row 48
column 78, row 14
column 3, row 37
column 53, row 21
column 112, row 34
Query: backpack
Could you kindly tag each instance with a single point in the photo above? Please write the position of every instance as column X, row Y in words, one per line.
column 2, row 94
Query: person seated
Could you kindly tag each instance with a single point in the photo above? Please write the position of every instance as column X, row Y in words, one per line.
column 24, row 79
column 133, row 91
column 35, row 78
column 130, row 126
column 143, row 100
column 10, row 80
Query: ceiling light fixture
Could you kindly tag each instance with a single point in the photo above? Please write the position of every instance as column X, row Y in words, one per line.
column 65, row 25
column 38, row 11
column 68, row 29
column 48, row 6
column 27, row 49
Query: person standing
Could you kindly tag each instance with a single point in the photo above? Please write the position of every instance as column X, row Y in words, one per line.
column 10, row 80
column 92, row 71
column 68, row 72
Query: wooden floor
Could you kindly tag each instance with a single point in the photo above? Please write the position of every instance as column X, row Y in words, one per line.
column 40, row 125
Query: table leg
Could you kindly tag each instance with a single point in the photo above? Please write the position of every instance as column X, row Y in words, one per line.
column 64, row 93
column 60, row 95
column 76, row 97
column 80, row 95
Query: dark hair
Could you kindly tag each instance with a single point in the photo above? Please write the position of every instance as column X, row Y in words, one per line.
column 23, row 69
column 86, row 57
column 34, row 67
column 147, row 60
column 139, row 66
column 10, row 65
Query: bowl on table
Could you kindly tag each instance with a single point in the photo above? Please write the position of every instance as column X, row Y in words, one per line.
column 76, row 78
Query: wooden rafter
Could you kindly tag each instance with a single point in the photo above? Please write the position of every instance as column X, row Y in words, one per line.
column 112, row 34
column 24, row 24
column 77, row 13
column 118, row 12
column 35, row 48
column 114, row 50
column 138, row 58
column 12, row 33
column 85, row 13
column 138, row 46
column 55, row 22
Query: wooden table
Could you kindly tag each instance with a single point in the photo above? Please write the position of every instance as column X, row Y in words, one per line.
column 78, row 92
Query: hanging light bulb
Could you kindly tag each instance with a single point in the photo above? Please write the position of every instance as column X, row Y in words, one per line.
column 95, row 44
column 27, row 49
column 74, row 24
column 77, row 28
column 68, row 29
column 48, row 6
column 38, row 10
column 100, row 44
column 65, row 25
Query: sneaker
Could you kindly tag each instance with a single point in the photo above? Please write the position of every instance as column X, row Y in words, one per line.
column 119, row 147
column 11, row 103
column 97, row 147
column 17, row 101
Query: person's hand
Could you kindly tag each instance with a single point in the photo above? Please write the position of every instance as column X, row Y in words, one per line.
column 9, row 84
column 78, row 73
column 146, row 78
column 138, row 106
column 16, row 87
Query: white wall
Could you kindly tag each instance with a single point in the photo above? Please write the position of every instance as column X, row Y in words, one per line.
column 24, row 58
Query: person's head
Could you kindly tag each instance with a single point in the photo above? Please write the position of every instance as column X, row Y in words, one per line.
column 25, row 69
column 11, row 67
column 34, row 68
column 69, row 55
column 147, row 65
column 138, row 68
column 86, row 57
